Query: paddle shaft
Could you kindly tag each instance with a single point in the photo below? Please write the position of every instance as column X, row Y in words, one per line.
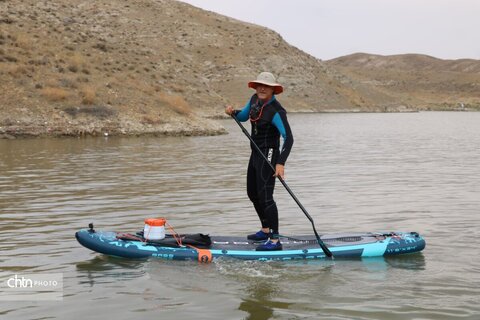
column 327, row 252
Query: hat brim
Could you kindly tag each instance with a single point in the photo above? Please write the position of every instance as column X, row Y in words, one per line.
column 277, row 88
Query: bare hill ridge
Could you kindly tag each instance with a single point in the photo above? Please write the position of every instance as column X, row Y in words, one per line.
column 405, row 62
column 419, row 82
column 133, row 67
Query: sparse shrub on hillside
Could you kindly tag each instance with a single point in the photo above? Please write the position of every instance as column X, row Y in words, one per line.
column 14, row 70
column 178, row 88
column 23, row 41
column 55, row 94
column 72, row 68
column 83, row 79
column 7, row 122
column 88, row 95
column 66, row 83
column 151, row 121
column 101, row 46
column 76, row 62
column 101, row 112
column 9, row 58
column 175, row 103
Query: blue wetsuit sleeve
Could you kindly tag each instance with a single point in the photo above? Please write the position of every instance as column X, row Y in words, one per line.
column 243, row 115
column 281, row 123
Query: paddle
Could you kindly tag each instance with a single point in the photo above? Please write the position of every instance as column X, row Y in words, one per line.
column 327, row 252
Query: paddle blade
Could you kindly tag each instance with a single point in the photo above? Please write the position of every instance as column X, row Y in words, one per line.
column 327, row 252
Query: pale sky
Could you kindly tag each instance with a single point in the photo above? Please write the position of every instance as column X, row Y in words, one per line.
column 326, row 29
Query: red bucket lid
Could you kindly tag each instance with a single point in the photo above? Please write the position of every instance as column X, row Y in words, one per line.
column 155, row 222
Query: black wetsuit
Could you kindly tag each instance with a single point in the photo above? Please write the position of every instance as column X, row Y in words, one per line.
column 269, row 122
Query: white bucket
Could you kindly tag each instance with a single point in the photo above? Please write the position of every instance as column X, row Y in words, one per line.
column 154, row 229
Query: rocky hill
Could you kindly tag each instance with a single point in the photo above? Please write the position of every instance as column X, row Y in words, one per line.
column 74, row 67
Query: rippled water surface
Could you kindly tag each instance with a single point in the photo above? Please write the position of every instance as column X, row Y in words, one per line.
column 353, row 172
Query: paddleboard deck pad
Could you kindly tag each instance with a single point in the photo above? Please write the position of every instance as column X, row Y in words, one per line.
column 345, row 245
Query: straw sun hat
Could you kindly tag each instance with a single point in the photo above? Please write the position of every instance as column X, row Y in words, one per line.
column 267, row 79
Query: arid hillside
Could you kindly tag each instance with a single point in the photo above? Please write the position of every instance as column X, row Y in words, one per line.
column 418, row 82
column 75, row 67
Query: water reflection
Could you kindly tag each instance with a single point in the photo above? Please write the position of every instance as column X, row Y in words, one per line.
column 260, row 302
column 415, row 262
column 265, row 286
column 106, row 269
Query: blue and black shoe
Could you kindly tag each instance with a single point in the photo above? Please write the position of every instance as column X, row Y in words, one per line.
column 270, row 246
column 259, row 236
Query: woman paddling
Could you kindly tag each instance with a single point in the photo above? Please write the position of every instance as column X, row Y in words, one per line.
column 269, row 122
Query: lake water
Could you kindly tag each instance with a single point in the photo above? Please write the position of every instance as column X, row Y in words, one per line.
column 353, row 172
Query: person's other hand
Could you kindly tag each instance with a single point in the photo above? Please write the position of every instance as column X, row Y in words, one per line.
column 229, row 110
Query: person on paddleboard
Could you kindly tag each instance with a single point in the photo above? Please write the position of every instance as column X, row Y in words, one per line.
column 269, row 121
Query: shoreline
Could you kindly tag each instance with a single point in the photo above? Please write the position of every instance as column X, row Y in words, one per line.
column 181, row 129
column 17, row 132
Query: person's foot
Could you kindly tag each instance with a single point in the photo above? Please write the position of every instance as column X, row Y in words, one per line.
column 270, row 246
column 259, row 236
